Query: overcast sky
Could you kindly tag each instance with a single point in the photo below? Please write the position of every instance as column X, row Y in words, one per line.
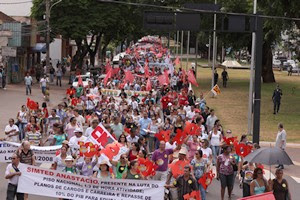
column 15, row 9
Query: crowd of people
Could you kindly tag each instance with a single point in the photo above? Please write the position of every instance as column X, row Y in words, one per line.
column 135, row 119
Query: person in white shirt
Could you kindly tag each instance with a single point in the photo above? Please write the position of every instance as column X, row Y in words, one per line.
column 11, row 131
column 210, row 121
column 28, row 83
column 73, row 143
column 215, row 138
column 12, row 173
column 90, row 129
column 207, row 152
column 43, row 83
column 171, row 144
column 281, row 140
column 79, row 118
column 190, row 114
column 132, row 137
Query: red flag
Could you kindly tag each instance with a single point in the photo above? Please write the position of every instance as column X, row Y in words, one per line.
column 177, row 168
column 191, row 78
column 100, row 136
column 195, row 195
column 148, row 85
column 147, row 74
column 163, row 135
column 230, row 141
column 108, row 76
column 111, row 150
column 177, row 61
column 206, row 179
column 80, row 82
column 115, row 71
column 32, row 105
column 167, row 76
column 162, row 79
column 264, row 196
column 180, row 136
column 129, row 77
column 107, row 67
column 153, row 71
column 190, row 128
column 242, row 149
column 146, row 167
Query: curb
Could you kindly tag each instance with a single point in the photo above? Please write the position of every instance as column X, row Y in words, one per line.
column 290, row 145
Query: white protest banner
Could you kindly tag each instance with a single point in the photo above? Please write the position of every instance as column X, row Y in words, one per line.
column 42, row 154
column 112, row 92
column 51, row 183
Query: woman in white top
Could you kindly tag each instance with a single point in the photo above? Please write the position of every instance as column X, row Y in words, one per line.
column 215, row 138
column 135, row 116
column 59, row 163
column 22, row 118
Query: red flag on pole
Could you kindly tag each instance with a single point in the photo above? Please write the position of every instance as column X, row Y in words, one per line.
column 162, row 79
column 191, row 78
column 167, row 76
column 147, row 74
column 108, row 76
column 148, row 85
column 32, row 105
column 129, row 77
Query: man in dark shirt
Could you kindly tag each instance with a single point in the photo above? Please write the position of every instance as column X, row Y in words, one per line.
column 185, row 183
column 225, row 78
column 276, row 99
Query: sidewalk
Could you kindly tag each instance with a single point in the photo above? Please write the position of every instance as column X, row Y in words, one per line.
column 288, row 145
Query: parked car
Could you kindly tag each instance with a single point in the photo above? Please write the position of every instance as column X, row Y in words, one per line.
column 85, row 80
column 276, row 63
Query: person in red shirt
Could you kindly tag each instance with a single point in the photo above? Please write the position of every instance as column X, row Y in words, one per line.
column 182, row 98
column 164, row 101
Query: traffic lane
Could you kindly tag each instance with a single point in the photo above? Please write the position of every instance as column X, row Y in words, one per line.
column 294, row 154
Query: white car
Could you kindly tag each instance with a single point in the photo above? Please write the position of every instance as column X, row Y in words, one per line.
column 290, row 62
column 85, row 80
column 276, row 63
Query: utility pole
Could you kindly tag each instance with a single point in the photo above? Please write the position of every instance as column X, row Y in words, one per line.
column 177, row 42
column 187, row 50
column 48, row 33
column 250, row 103
column 181, row 49
column 214, row 48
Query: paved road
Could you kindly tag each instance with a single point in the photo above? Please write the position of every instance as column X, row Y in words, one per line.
column 12, row 98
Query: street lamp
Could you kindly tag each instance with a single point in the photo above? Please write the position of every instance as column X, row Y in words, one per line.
column 48, row 11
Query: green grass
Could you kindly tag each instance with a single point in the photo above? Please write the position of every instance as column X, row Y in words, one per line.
column 232, row 104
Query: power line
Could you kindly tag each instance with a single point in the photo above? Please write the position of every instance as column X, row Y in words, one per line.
column 14, row 3
column 198, row 10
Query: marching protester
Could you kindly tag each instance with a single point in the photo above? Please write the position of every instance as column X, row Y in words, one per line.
column 259, row 185
column 280, row 186
column 225, row 171
column 12, row 173
column 11, row 131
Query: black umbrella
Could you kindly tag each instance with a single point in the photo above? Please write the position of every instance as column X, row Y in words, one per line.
column 269, row 156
